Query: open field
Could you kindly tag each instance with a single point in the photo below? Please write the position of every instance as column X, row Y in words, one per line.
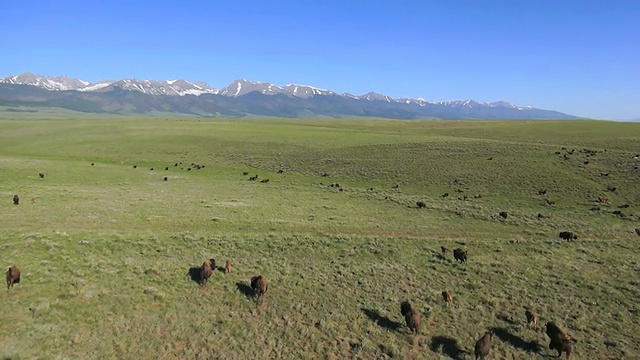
column 105, row 248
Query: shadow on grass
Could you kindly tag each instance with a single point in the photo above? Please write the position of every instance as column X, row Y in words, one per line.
column 382, row 321
column 449, row 347
column 245, row 289
column 194, row 274
column 222, row 269
column 517, row 341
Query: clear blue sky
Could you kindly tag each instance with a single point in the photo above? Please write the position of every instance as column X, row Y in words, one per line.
column 581, row 57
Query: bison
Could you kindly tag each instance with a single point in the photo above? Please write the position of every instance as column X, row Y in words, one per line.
column 41, row 175
column 420, row 204
column 568, row 235
column 559, row 340
column 447, row 297
column 532, row 318
column 259, row 285
column 411, row 316
column 503, row 214
column 16, row 200
column 206, row 271
column 444, row 250
column 13, row 276
column 638, row 231
column 542, row 192
column 227, row 267
column 483, row 345
column 460, row 255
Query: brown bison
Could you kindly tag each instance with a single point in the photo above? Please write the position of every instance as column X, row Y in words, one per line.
column 460, row 255
column 568, row 235
column 638, row 231
column 16, row 200
column 227, row 267
column 532, row 318
column 206, row 271
column 13, row 276
column 559, row 340
column 259, row 285
column 447, row 297
column 483, row 345
column 420, row 204
column 444, row 250
column 411, row 316
column 603, row 199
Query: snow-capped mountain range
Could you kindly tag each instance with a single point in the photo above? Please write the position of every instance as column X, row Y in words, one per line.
column 240, row 98
column 239, row 87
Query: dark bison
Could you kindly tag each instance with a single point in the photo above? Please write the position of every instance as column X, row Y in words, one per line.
column 13, row 276
column 259, row 285
column 503, row 214
column 41, row 175
column 532, row 318
column 568, row 235
column 483, row 345
column 444, row 250
column 165, row 178
column 447, row 297
column 420, row 204
column 264, row 180
column 542, row 192
column 280, row 171
column 638, row 231
column 559, row 340
column 245, row 173
column 460, row 255
column 411, row 316
column 206, row 271
column 16, row 200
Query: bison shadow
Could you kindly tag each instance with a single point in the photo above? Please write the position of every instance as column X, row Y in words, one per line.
column 517, row 341
column 194, row 274
column 222, row 269
column 246, row 290
column 381, row 321
column 449, row 347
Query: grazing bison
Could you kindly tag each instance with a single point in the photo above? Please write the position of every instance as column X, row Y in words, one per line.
column 550, row 201
column 532, row 318
column 444, row 195
column 13, row 276
column 447, row 297
column 559, row 340
column 444, row 250
column 460, row 255
column 227, row 267
column 604, row 174
column 264, row 181
column 92, row 164
column 245, row 173
column 259, row 285
column 166, row 168
column 206, row 271
column 280, row 171
column 165, row 178
column 568, row 235
column 542, row 192
column 603, row 199
column 420, row 204
column 411, row 316
column 135, row 166
column 41, row 175
column 483, row 345
column 503, row 214
column 16, row 200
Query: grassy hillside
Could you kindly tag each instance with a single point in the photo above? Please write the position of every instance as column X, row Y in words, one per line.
column 105, row 248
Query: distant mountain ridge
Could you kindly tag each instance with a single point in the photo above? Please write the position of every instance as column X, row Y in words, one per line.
column 243, row 98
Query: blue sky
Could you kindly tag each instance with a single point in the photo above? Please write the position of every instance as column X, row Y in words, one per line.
column 578, row 57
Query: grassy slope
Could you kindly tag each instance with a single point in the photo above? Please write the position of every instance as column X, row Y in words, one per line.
column 104, row 249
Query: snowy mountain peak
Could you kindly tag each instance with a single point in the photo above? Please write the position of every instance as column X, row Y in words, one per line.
column 239, row 87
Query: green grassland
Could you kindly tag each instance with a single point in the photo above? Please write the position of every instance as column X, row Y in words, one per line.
column 105, row 248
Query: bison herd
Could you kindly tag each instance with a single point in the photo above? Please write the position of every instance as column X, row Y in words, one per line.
column 559, row 340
